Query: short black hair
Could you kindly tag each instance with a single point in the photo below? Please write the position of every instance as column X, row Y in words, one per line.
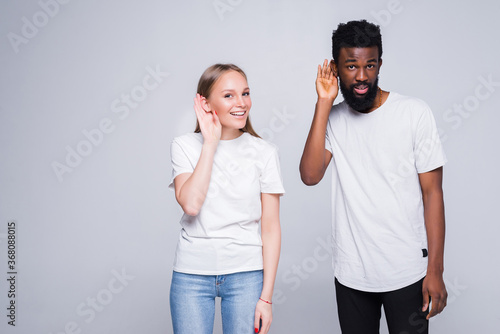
column 357, row 34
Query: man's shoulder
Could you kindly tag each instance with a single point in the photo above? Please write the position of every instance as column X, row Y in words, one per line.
column 339, row 111
column 406, row 100
column 341, row 106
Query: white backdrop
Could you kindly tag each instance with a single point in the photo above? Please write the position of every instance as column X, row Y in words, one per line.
column 92, row 93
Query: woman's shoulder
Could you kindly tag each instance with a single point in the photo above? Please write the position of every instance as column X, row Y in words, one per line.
column 262, row 146
column 189, row 139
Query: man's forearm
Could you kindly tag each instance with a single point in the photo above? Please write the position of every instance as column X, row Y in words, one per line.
column 432, row 197
column 435, row 226
column 433, row 287
column 313, row 163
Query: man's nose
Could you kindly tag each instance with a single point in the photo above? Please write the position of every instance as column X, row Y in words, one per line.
column 361, row 75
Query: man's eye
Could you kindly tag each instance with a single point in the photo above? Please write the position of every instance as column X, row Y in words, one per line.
column 351, row 67
column 371, row 66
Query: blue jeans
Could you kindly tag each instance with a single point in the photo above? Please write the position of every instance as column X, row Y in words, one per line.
column 192, row 302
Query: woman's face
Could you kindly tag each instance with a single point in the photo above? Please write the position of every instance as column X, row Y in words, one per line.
column 230, row 97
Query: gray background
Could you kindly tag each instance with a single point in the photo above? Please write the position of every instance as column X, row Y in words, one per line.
column 113, row 215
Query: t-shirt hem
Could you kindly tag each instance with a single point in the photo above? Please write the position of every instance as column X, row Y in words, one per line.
column 432, row 167
column 171, row 185
column 381, row 289
column 217, row 272
column 279, row 192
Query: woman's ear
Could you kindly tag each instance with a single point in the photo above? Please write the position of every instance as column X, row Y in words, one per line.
column 205, row 104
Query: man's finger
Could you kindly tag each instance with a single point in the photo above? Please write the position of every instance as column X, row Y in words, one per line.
column 425, row 301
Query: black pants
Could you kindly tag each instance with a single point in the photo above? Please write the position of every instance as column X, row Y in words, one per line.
column 359, row 311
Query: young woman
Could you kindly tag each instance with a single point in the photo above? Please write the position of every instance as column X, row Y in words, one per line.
column 227, row 180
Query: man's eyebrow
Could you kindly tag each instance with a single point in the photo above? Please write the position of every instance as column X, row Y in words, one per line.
column 353, row 60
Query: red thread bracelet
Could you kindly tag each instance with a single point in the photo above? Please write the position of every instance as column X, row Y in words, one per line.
column 265, row 301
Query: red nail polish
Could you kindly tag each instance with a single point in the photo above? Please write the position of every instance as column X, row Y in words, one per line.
column 256, row 330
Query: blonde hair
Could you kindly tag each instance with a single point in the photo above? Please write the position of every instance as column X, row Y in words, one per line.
column 206, row 83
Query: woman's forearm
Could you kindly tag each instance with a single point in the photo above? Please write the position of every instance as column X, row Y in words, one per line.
column 192, row 189
column 271, row 242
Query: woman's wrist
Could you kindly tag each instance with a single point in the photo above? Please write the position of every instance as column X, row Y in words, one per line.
column 266, row 296
column 267, row 301
column 210, row 146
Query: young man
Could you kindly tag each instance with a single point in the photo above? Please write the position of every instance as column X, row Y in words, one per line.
column 388, row 211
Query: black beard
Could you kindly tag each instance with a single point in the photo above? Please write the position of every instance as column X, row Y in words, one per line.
column 359, row 104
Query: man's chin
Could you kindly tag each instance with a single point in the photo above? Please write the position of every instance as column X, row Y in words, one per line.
column 359, row 102
column 361, row 105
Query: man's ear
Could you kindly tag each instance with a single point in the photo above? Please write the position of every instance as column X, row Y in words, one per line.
column 379, row 63
column 334, row 68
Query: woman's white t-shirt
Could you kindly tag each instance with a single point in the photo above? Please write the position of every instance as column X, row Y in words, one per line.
column 224, row 237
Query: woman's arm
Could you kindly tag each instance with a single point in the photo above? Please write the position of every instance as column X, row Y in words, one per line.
column 271, row 246
column 191, row 188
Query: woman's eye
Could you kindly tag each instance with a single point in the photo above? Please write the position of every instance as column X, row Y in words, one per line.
column 227, row 95
column 246, row 94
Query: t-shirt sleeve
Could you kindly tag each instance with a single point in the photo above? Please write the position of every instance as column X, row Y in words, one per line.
column 271, row 181
column 180, row 161
column 428, row 150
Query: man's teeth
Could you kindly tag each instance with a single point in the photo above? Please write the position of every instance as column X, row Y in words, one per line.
column 241, row 113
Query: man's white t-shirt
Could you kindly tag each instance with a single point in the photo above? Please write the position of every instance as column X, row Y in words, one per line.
column 224, row 237
column 379, row 235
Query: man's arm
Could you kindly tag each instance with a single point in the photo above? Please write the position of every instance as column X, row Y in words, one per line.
column 315, row 158
column 433, row 287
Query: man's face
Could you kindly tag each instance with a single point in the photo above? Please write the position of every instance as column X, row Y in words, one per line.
column 358, row 70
